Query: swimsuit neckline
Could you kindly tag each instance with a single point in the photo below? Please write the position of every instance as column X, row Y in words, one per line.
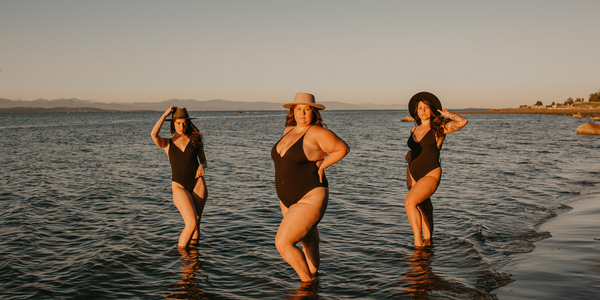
column 294, row 144
column 413, row 135
column 186, row 145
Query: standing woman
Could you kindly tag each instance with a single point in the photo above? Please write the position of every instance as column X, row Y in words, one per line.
column 424, row 170
column 301, row 156
column 184, row 149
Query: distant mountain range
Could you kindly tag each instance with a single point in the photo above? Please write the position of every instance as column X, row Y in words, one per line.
column 64, row 105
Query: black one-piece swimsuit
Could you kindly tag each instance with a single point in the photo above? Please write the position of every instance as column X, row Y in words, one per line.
column 425, row 155
column 295, row 175
column 184, row 164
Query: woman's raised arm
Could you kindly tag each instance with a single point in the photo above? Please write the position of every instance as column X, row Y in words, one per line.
column 457, row 122
column 158, row 140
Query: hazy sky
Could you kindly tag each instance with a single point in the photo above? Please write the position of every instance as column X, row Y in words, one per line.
column 469, row 53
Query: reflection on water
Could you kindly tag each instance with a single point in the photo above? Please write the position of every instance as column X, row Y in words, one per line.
column 189, row 286
column 306, row 291
column 421, row 282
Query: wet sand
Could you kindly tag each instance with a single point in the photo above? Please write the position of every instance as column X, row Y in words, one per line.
column 565, row 266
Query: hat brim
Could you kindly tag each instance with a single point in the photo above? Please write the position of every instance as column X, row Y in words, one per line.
column 290, row 105
column 412, row 104
column 179, row 118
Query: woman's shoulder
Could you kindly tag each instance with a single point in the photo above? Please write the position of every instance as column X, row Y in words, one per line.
column 318, row 131
column 288, row 129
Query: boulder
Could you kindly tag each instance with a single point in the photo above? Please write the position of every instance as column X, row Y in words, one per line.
column 408, row 119
column 589, row 128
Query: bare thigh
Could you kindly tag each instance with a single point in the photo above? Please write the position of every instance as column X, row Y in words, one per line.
column 302, row 216
column 199, row 195
column 183, row 201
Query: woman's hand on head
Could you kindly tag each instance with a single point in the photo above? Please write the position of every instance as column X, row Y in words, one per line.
column 444, row 112
column 169, row 110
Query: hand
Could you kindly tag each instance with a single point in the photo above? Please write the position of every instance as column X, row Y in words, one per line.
column 408, row 156
column 321, row 172
column 444, row 112
column 169, row 110
column 200, row 171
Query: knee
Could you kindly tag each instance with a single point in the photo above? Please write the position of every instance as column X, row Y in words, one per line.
column 191, row 225
column 281, row 244
column 409, row 203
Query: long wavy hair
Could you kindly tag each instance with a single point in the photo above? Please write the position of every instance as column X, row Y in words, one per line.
column 192, row 132
column 316, row 118
column 437, row 121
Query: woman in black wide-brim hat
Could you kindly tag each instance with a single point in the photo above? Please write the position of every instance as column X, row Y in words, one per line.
column 185, row 150
column 424, row 169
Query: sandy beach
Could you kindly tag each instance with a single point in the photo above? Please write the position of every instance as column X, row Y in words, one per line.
column 565, row 266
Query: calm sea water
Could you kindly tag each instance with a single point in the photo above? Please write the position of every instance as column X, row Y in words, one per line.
column 86, row 209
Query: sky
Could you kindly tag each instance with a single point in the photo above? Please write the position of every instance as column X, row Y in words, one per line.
column 471, row 54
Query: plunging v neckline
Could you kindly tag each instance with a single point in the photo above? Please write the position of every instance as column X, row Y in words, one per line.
column 413, row 134
column 184, row 148
column 294, row 144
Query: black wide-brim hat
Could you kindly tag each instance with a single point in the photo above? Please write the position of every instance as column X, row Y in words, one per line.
column 180, row 113
column 412, row 104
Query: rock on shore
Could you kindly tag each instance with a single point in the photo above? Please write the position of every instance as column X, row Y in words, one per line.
column 589, row 128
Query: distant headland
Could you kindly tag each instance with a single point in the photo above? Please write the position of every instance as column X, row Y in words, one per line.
column 77, row 105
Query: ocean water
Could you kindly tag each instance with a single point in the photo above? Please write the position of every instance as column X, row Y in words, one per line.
column 86, row 208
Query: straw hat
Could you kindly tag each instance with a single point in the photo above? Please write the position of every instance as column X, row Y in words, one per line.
column 412, row 104
column 304, row 98
column 180, row 113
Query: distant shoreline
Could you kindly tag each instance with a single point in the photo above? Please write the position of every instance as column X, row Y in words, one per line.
column 41, row 110
column 585, row 112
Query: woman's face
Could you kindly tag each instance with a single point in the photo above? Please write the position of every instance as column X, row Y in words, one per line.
column 303, row 114
column 423, row 111
column 180, row 126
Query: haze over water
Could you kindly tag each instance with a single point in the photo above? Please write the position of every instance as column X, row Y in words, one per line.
column 86, row 208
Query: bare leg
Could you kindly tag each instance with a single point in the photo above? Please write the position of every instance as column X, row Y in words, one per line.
column 199, row 195
column 185, row 204
column 426, row 209
column 298, row 220
column 310, row 248
column 419, row 193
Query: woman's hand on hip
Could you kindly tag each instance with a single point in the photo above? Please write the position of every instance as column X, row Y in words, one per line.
column 200, row 171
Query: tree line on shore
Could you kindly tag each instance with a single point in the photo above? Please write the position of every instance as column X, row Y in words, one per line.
column 593, row 99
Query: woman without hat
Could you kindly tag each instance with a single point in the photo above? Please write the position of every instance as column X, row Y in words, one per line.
column 301, row 156
column 424, row 170
column 184, row 149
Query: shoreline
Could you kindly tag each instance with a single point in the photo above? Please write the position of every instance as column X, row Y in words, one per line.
column 564, row 266
column 585, row 112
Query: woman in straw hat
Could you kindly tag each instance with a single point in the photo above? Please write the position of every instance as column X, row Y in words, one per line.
column 424, row 170
column 185, row 150
column 301, row 156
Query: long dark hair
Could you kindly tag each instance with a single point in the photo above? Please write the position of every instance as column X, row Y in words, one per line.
column 192, row 132
column 316, row 118
column 437, row 121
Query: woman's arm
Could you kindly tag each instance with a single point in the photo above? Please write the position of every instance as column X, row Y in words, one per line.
column 457, row 122
column 333, row 145
column 158, row 140
column 203, row 164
